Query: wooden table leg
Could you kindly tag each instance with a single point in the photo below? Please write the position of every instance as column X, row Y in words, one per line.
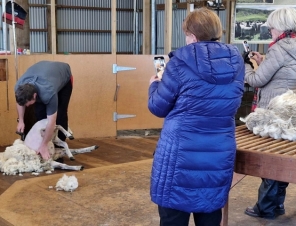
column 235, row 180
column 224, row 221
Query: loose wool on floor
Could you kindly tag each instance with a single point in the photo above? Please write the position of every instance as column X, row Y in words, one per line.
column 109, row 195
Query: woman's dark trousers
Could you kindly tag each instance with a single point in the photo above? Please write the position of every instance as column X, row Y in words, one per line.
column 172, row 217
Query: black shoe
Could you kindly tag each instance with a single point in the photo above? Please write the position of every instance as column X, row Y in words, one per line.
column 280, row 209
column 251, row 212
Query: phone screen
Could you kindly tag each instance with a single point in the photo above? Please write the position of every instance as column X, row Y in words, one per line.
column 159, row 64
column 246, row 46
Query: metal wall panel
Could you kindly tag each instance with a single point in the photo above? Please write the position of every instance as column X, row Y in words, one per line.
column 89, row 3
column 38, row 20
column 94, row 21
column 129, row 21
column 2, row 46
column 160, row 2
column 160, row 20
column 178, row 36
column 93, row 27
column 100, row 20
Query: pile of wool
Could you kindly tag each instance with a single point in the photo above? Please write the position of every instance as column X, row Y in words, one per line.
column 277, row 121
column 18, row 158
column 284, row 106
column 67, row 183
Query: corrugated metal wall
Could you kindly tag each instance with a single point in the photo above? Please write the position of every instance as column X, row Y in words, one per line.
column 178, row 38
column 83, row 30
column 2, row 45
column 38, row 27
column 129, row 23
column 84, row 26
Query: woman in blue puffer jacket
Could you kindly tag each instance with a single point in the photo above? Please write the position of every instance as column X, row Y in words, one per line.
column 199, row 93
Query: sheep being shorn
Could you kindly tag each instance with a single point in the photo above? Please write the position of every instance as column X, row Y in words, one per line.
column 35, row 136
column 18, row 158
column 22, row 158
column 277, row 121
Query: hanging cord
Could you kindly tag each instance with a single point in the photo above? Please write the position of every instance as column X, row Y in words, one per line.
column 14, row 40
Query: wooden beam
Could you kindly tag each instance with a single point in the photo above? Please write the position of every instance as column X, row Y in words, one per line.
column 53, row 27
column 175, row 5
column 168, row 26
column 261, row 48
column 89, row 8
column 266, row 165
column 113, row 27
column 228, row 21
column 182, row 5
column 146, row 48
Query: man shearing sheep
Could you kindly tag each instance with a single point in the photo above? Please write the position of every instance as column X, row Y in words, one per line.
column 47, row 85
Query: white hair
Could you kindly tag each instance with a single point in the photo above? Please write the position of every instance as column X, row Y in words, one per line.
column 283, row 19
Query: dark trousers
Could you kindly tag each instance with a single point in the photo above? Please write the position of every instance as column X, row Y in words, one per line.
column 271, row 194
column 172, row 217
column 62, row 113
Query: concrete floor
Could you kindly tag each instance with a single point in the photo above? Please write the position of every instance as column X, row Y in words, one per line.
column 245, row 194
column 114, row 191
column 115, row 195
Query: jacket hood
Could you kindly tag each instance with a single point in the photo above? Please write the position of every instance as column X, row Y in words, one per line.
column 214, row 62
column 288, row 45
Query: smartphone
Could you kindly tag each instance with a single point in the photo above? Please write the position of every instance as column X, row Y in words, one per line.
column 247, row 48
column 159, row 65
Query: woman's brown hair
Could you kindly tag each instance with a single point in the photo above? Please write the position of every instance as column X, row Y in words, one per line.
column 204, row 24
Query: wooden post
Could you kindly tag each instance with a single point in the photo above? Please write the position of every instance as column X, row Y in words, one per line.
column 53, row 27
column 261, row 48
column 168, row 26
column 224, row 221
column 146, row 48
column 113, row 27
column 189, row 9
column 229, row 23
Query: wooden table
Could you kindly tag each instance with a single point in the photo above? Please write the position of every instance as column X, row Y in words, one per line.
column 262, row 157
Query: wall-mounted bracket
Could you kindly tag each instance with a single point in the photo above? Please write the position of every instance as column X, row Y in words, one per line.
column 117, row 68
column 118, row 116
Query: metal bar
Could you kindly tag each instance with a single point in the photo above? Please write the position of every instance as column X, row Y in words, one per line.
column 153, row 27
column 14, row 40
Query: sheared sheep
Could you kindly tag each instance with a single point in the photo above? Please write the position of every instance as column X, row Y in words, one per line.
column 21, row 158
column 34, row 138
column 277, row 121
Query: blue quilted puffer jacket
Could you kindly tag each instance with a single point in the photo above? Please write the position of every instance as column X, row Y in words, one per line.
column 200, row 92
